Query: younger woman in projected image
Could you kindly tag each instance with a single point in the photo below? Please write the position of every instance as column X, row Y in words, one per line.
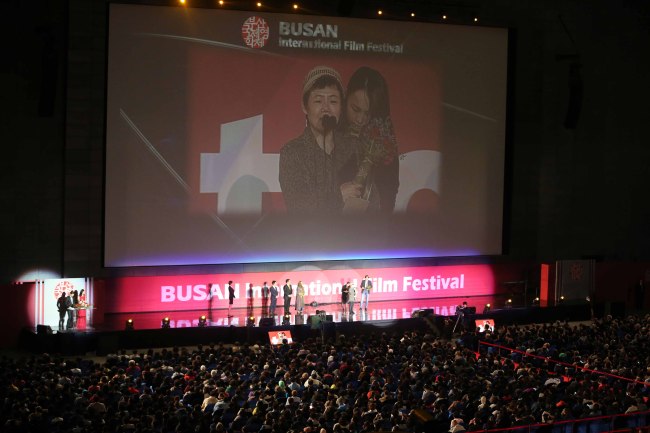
column 315, row 166
column 367, row 117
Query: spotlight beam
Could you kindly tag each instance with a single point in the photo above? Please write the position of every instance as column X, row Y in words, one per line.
column 175, row 174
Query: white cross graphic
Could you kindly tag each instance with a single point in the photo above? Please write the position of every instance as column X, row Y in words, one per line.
column 241, row 172
column 419, row 169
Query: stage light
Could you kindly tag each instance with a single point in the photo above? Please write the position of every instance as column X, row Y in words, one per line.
column 250, row 321
column 128, row 325
column 475, row 19
column 221, row 2
column 35, row 275
column 203, row 321
column 259, row 4
column 444, row 17
column 561, row 300
column 536, row 301
column 286, row 319
column 487, row 308
column 181, row 2
column 509, row 303
column 380, row 12
column 165, row 323
column 295, row 6
column 412, row 14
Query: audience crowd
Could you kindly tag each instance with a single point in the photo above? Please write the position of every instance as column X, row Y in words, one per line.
column 384, row 382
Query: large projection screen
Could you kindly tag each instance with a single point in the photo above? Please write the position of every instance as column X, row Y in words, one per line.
column 211, row 156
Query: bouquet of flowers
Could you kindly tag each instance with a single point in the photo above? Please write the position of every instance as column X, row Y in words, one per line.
column 379, row 147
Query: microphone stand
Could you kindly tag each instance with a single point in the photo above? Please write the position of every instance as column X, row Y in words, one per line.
column 210, row 304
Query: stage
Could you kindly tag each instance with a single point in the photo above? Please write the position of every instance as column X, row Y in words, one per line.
column 322, row 322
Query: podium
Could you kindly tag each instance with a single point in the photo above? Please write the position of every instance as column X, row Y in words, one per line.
column 78, row 317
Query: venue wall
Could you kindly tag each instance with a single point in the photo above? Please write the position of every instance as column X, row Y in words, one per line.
column 573, row 190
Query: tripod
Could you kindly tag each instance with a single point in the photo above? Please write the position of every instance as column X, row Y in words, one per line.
column 460, row 316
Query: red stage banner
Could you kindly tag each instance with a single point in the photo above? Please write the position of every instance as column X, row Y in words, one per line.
column 191, row 292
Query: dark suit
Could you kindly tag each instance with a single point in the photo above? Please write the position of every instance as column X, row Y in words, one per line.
column 265, row 299
column 231, row 294
column 62, row 304
column 274, row 299
column 287, row 292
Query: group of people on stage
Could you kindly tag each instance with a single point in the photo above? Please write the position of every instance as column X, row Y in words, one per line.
column 271, row 293
column 270, row 296
column 69, row 304
column 349, row 295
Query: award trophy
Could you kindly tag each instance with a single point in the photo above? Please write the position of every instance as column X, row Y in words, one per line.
column 378, row 147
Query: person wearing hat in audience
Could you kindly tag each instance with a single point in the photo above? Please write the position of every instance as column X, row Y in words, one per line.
column 317, row 168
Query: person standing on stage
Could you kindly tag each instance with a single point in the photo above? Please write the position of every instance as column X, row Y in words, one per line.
column 265, row 299
column 62, row 306
column 210, row 299
column 71, row 312
column 82, row 298
column 345, row 295
column 352, row 297
column 231, row 297
column 300, row 297
column 249, row 300
column 274, row 297
column 366, row 287
column 75, row 297
column 74, row 294
column 287, row 291
column 81, row 310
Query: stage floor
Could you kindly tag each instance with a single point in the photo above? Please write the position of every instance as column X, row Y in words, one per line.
column 241, row 317
column 184, row 329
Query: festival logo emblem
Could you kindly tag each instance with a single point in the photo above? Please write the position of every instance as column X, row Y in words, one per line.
column 255, row 32
column 63, row 286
